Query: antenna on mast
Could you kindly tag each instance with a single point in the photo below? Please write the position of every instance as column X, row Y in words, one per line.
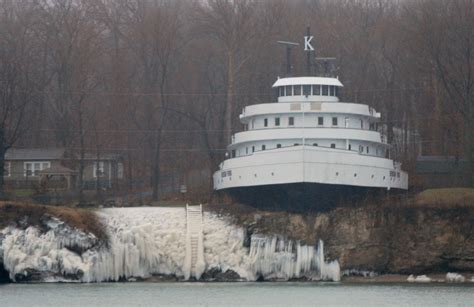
column 288, row 45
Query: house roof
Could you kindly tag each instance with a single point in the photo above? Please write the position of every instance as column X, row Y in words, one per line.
column 34, row 154
column 102, row 157
column 57, row 170
column 440, row 164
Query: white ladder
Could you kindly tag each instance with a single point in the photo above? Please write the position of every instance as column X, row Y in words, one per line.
column 194, row 264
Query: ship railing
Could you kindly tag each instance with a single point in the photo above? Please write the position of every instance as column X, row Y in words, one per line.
column 309, row 145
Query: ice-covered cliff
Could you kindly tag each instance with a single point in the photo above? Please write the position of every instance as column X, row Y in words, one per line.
column 150, row 241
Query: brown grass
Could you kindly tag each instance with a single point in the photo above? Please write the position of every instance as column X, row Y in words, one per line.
column 15, row 213
column 446, row 197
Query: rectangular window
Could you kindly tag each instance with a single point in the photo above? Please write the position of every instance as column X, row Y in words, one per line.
column 33, row 168
column 7, row 169
column 350, row 147
column 278, row 145
column 316, row 90
column 263, row 147
column 320, row 120
column 361, row 124
column 282, row 91
column 291, row 121
column 253, row 148
column 297, row 90
column 367, row 149
column 306, row 90
column 246, row 150
column 265, row 122
column 277, row 121
column 233, row 153
column 325, row 90
column 333, row 145
column 98, row 169
column 315, row 144
column 120, row 170
column 334, row 121
column 296, row 144
column 333, row 90
column 337, row 91
column 289, row 90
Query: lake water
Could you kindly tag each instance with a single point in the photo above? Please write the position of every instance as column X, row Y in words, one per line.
column 246, row 294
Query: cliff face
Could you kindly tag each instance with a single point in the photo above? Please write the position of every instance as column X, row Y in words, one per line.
column 385, row 240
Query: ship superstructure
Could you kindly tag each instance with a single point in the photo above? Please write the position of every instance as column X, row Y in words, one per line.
column 308, row 149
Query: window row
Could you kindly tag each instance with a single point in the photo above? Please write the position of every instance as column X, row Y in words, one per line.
column 33, row 168
column 311, row 121
column 308, row 90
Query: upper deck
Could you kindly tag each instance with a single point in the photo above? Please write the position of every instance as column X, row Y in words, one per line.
column 316, row 89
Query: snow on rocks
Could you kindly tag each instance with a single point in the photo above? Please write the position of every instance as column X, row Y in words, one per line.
column 151, row 241
column 420, row 278
column 455, row 277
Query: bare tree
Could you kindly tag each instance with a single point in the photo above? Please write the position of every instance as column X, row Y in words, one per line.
column 18, row 77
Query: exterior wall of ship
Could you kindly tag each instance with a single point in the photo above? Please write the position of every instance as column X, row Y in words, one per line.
column 313, row 164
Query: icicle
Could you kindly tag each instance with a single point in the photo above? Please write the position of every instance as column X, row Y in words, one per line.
column 147, row 241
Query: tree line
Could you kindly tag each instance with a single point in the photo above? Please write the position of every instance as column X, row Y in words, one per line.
column 162, row 82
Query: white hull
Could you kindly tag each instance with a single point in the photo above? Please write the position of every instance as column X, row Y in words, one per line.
column 308, row 164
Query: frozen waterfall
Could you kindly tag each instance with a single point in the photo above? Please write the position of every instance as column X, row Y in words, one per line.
column 149, row 241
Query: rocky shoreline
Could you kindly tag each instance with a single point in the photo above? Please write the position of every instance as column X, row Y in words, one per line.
column 373, row 244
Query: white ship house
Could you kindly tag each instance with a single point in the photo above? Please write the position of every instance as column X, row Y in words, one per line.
column 308, row 150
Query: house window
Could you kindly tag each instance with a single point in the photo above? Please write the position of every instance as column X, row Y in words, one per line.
column 334, row 121
column 320, row 120
column 277, row 121
column 282, row 91
column 325, row 90
column 316, row 90
column 120, row 170
column 333, row 145
column 297, row 90
column 291, row 121
column 98, row 169
column 306, row 90
column 278, row 145
column 7, row 169
column 333, row 90
column 265, row 122
column 289, row 91
column 33, row 168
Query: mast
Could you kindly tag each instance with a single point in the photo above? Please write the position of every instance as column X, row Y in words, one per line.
column 288, row 45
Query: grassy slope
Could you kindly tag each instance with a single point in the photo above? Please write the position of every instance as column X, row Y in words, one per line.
column 15, row 213
column 446, row 197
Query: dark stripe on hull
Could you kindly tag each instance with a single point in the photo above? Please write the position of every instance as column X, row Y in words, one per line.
column 301, row 197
